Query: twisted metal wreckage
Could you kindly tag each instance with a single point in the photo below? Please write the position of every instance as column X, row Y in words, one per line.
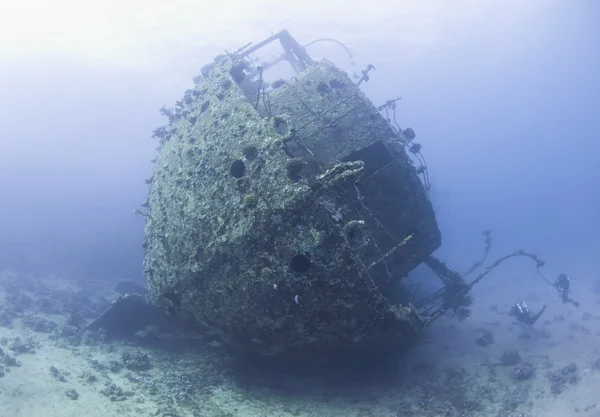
column 282, row 217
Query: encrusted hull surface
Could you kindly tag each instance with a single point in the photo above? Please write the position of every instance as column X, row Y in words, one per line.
column 281, row 220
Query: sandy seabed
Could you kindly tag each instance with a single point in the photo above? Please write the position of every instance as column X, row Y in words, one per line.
column 49, row 367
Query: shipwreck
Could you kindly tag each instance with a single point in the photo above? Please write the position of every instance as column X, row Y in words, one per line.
column 281, row 216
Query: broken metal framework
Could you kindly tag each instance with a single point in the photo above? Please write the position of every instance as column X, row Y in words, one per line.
column 296, row 55
column 455, row 288
column 299, row 60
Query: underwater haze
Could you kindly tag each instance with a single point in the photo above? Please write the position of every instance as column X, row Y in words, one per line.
column 504, row 97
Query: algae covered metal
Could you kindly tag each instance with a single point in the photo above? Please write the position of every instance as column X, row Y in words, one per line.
column 281, row 217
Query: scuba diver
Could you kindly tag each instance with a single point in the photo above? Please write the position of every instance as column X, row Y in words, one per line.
column 563, row 285
column 524, row 315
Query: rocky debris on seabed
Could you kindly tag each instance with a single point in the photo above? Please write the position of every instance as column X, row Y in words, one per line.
column 523, row 372
column 515, row 399
column 38, row 323
column 116, row 393
column 509, row 358
column 87, row 377
column 72, row 394
column 18, row 346
column 75, row 336
column 7, row 360
column 492, row 398
column 114, row 366
column 76, row 319
column 174, row 382
column 561, row 377
column 454, row 392
column 35, row 295
column 111, row 365
column 62, row 377
column 136, row 361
